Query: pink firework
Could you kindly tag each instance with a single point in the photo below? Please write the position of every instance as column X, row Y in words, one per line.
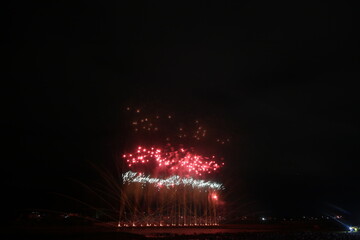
column 181, row 162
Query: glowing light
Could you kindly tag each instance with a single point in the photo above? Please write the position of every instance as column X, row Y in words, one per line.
column 133, row 177
column 353, row 229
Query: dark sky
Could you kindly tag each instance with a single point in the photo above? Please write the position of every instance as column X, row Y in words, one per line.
column 282, row 76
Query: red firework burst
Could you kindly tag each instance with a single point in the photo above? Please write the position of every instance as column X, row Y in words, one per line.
column 181, row 161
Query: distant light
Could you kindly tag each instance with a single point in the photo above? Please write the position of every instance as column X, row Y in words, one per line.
column 263, row 219
column 353, row 229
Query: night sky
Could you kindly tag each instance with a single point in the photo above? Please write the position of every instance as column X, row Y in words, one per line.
column 280, row 77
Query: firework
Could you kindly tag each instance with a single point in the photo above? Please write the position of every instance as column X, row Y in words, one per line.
column 133, row 177
column 182, row 161
column 167, row 184
column 170, row 128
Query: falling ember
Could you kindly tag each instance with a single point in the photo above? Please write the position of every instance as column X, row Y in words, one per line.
column 215, row 197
